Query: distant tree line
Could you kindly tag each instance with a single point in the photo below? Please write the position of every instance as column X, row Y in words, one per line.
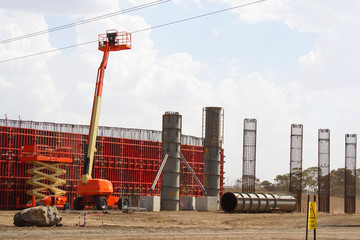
column 310, row 182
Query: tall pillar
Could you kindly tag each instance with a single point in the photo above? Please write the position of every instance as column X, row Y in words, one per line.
column 296, row 156
column 212, row 149
column 324, row 170
column 170, row 177
column 249, row 156
column 350, row 173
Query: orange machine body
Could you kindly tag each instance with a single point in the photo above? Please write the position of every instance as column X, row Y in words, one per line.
column 101, row 187
column 57, row 201
column 94, row 189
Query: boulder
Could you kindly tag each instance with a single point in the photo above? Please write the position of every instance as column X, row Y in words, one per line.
column 40, row 216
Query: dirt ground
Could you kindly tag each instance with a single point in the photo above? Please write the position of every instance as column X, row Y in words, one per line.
column 115, row 224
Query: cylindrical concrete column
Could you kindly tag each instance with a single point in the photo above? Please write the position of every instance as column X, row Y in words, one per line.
column 170, row 177
column 212, row 149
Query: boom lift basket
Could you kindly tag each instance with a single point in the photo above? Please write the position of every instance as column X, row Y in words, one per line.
column 117, row 40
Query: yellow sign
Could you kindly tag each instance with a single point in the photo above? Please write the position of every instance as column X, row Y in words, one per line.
column 312, row 215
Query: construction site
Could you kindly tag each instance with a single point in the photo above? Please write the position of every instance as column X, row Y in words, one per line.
column 112, row 182
column 79, row 167
column 129, row 158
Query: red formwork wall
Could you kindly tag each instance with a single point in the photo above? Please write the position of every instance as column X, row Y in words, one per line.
column 130, row 164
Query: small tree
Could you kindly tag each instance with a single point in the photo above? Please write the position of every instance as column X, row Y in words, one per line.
column 266, row 185
column 337, row 182
column 310, row 179
column 282, row 183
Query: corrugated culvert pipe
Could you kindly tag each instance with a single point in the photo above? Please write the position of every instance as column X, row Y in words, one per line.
column 256, row 202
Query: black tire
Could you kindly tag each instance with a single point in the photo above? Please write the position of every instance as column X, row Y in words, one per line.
column 40, row 203
column 124, row 202
column 101, row 203
column 78, row 204
column 67, row 206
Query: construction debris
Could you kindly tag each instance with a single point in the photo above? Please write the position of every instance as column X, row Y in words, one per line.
column 40, row 216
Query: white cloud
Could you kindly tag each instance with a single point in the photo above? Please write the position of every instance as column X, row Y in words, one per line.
column 5, row 84
column 215, row 33
column 68, row 7
column 35, row 92
column 254, row 97
column 140, row 85
column 332, row 62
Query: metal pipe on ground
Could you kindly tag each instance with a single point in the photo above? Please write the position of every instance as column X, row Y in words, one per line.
column 256, row 202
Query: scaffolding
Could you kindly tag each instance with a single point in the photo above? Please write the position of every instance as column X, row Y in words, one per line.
column 129, row 158
column 350, row 173
column 296, row 156
column 324, row 170
column 249, row 155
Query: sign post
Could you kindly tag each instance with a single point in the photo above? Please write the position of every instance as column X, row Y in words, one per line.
column 311, row 217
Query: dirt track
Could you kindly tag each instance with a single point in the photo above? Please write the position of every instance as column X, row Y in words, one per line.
column 185, row 225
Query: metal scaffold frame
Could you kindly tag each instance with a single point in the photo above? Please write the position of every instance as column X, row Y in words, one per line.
column 296, row 157
column 350, row 173
column 324, row 169
column 249, row 156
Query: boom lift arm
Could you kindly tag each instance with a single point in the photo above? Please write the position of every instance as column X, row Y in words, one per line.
column 113, row 41
column 99, row 191
column 94, row 123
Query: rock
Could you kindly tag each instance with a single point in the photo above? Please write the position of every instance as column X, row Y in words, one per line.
column 40, row 216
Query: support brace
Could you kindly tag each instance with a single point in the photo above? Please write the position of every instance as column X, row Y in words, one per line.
column 193, row 174
column 159, row 173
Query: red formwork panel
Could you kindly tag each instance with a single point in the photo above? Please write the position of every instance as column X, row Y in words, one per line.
column 130, row 164
column 195, row 157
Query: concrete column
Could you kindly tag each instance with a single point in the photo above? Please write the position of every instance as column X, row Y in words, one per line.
column 170, row 177
column 212, row 150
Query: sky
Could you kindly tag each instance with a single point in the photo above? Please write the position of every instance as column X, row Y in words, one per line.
column 281, row 62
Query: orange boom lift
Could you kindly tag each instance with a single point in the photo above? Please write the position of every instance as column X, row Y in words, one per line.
column 98, row 192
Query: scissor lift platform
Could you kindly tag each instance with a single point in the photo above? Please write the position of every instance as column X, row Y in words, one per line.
column 46, row 170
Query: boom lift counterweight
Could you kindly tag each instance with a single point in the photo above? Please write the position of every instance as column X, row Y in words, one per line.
column 91, row 191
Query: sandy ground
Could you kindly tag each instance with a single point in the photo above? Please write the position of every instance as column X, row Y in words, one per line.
column 115, row 224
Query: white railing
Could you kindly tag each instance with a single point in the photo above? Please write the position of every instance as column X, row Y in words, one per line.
column 128, row 133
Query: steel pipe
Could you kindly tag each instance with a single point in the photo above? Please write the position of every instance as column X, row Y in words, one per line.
column 256, row 202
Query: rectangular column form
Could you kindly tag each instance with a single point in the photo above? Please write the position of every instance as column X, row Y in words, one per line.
column 324, row 169
column 170, row 177
column 350, row 173
column 249, row 155
column 296, row 157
